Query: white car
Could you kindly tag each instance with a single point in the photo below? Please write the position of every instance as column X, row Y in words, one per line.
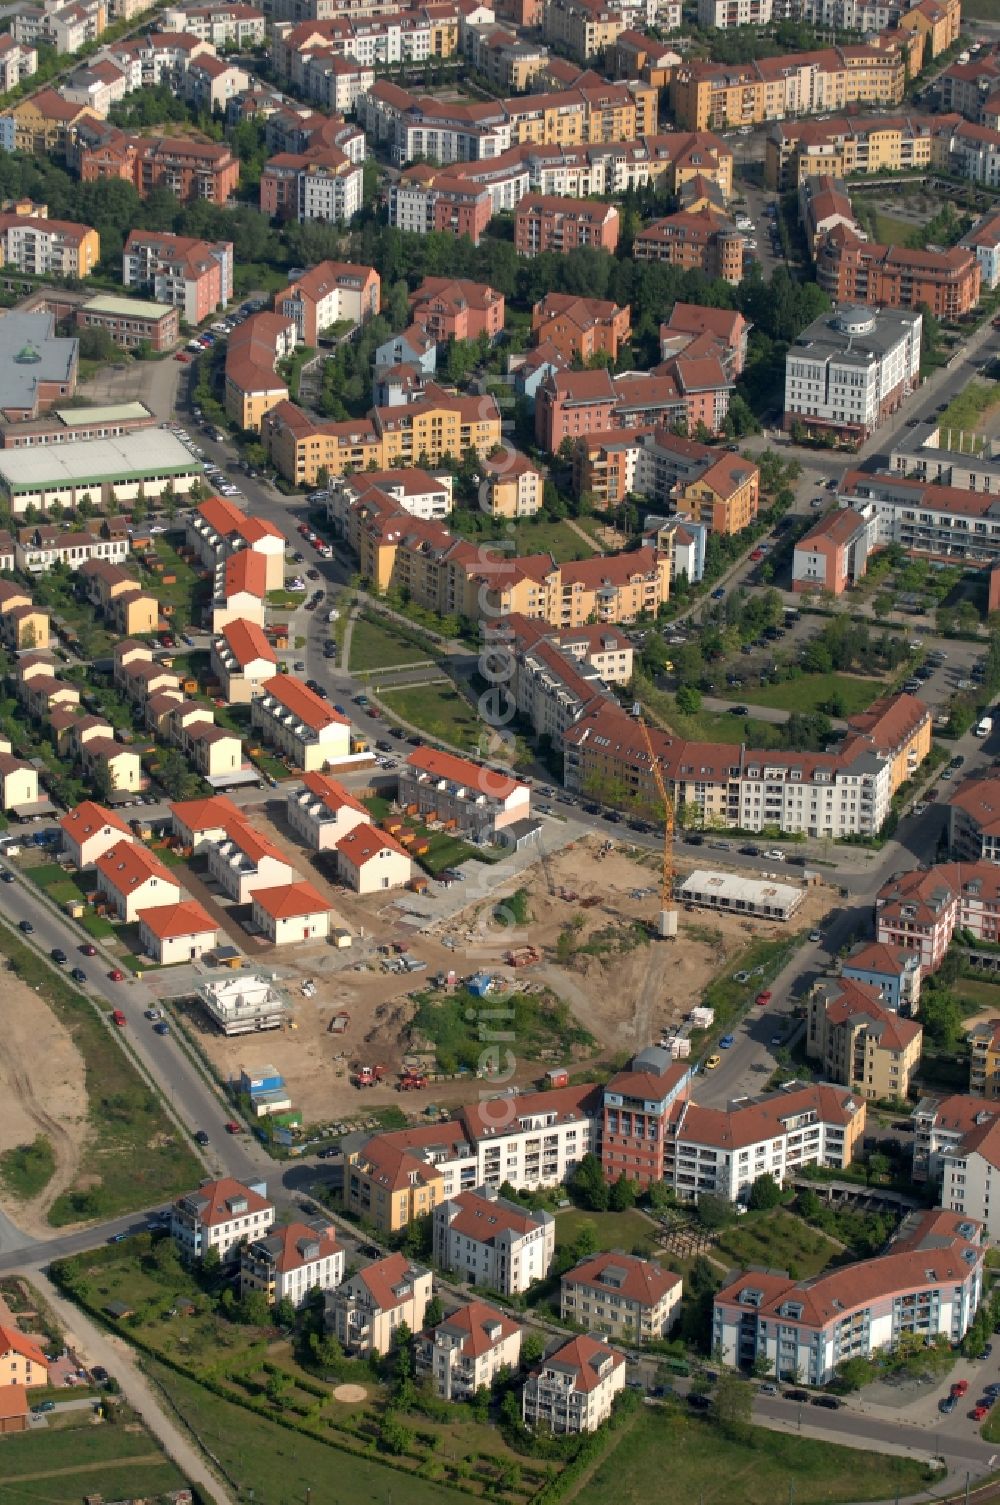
column 774, row 855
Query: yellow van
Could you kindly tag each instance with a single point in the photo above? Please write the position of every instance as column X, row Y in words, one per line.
column 712, row 1062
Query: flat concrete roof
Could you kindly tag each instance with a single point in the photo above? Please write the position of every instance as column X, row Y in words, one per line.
column 112, row 412
column 149, row 452
column 732, row 888
column 127, row 308
column 32, row 354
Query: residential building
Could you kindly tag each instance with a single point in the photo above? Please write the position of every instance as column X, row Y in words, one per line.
column 321, row 184
column 253, row 350
column 48, row 247
column 89, row 830
column 984, row 1059
column 898, row 277
column 899, row 729
column 246, row 861
column 703, row 239
column 478, row 800
column 847, row 372
column 292, row 1261
column 620, row 1296
column 301, row 725
column 557, row 672
column 894, row 972
column 18, row 784
column 927, row 1286
column 209, row 83
column 217, row 530
column 233, row 25
column 573, row 1390
column 974, row 819
column 23, row 626
column 584, row 28
column 331, row 293
column 720, row 15
column 469, row 1350
column 195, row 276
column 322, row 811
column 832, row 555
column 291, row 914
column 242, row 660
column 22, row 1361
column 37, row 549
column 487, row 1241
column 824, row 203
column 581, row 327
column 190, row 169
column 132, row 878
column 197, row 824
column 449, row 308
column 239, row 591
column 221, row 1215
column 514, row 487
column 364, row 1312
column 413, row 491
column 861, row 1043
column 17, row 62
column 851, row 146
column 546, row 223
column 637, row 1105
column 177, row 933
column 46, row 125
column 370, row 860
column 921, row 911
column 938, row 21
column 940, row 1128
column 984, row 241
column 66, row 27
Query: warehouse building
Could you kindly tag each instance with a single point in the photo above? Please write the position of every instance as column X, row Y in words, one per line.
column 143, row 464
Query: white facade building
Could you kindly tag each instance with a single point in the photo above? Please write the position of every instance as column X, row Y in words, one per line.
column 220, row 1215
column 574, row 1389
column 488, row 1241
column 291, row 1261
column 469, row 1349
column 850, row 369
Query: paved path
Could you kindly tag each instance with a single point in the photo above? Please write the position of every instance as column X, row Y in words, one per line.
column 119, row 1359
column 584, row 536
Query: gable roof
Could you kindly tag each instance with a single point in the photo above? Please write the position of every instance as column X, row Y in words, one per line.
column 640, row 1280
column 129, row 864
column 286, row 901
column 364, row 842
column 172, row 921
column 12, row 1339
column 583, row 1358
column 443, row 765
column 87, row 818
column 390, row 1280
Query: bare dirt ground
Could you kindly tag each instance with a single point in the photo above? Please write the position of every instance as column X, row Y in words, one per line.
column 41, row 1092
column 622, row 989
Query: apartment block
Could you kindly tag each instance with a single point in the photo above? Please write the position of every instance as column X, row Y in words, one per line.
column 922, row 910
column 927, row 1286
column 321, row 184
column 545, row 223
column 832, row 556
column 293, row 1261
column 487, row 1241
column 252, row 386
column 48, row 247
column 195, row 276
column 364, row 1312
column 619, row 1296
column 220, row 1215
column 469, row 1350
column 558, row 672
column 330, row 293
column 862, row 272
column 573, row 1390
column 847, row 372
column 859, row 1042
column 236, row 25
column 580, row 328
column 190, row 169
column 637, row 1106
column 974, row 819
column 847, row 146
column 703, row 240
column 17, row 62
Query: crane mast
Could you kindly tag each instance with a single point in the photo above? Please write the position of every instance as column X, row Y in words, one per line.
column 668, row 914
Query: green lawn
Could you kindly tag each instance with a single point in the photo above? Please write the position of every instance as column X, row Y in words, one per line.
column 282, row 1465
column 441, row 713
column 977, row 991
column 703, row 1464
column 530, row 536
column 377, row 645
column 966, row 410
column 892, row 231
column 613, row 1230
column 443, row 850
column 777, row 1239
column 27, row 1169
column 132, row 1156
column 106, row 1460
column 810, row 692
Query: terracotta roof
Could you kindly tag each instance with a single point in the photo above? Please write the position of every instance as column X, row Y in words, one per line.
column 207, row 814
column 847, row 1000
column 365, row 842
column 87, row 818
column 647, row 1084
column 311, row 709
column 246, row 641
column 879, row 957
column 731, row 1129
column 13, row 1402
column 332, row 793
column 568, row 1105
column 639, row 1280
column 12, row 1339
column 478, row 1327
column 129, row 864
column 212, row 1201
column 839, row 527
column 979, row 798
column 482, row 1218
column 583, row 1358
column 444, row 765
column 245, row 571
column 390, row 1280
column 172, row 921
column 284, row 1246
column 287, row 901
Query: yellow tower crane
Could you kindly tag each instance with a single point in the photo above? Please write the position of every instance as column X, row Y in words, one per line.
column 668, row 914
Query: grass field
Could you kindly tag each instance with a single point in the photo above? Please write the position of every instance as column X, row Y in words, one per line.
column 27, row 1169
column 778, row 1239
column 613, row 1230
column 133, row 1155
column 704, row 1464
column 977, row 992
column 966, row 410
column 376, row 645
column 283, row 1465
column 542, row 536
column 441, row 712
column 892, row 231
column 59, row 1466
column 812, row 691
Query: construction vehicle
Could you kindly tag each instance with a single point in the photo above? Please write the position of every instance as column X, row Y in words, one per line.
column 667, row 925
column 339, row 1023
column 413, row 1081
column 523, row 956
column 369, row 1076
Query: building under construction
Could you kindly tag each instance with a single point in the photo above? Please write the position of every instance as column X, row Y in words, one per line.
column 761, row 898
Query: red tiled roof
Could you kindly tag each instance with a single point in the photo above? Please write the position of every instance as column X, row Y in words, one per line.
column 482, row 1218
column 364, row 843
column 287, row 901
column 213, row 1201
column 479, row 1328
column 129, row 864
column 246, row 642
column 88, row 817
column 385, row 1276
column 175, row 920
column 638, row 1279
column 583, row 1357
column 311, row 709
column 444, row 765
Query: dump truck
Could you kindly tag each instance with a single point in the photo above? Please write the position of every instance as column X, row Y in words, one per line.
column 369, row 1076
column 413, row 1081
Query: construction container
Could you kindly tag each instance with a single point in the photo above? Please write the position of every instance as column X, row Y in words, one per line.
column 557, row 1077
column 480, row 984
column 265, row 1079
column 702, row 1017
column 263, row 1104
column 341, row 939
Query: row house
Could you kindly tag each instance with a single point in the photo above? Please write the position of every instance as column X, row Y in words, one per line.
column 242, row 660
column 23, row 626
column 217, row 530
column 37, row 549
column 473, row 798
column 469, row 1350
column 239, row 590
column 245, row 861
column 300, row 725
column 321, row 812
column 125, row 606
column 89, row 830
column 927, row 1286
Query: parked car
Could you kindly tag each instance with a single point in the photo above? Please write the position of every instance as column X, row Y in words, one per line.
column 727, row 1042
column 26, row 927
column 58, row 955
column 829, row 1402
column 764, row 998
column 712, row 1062
column 200, row 1137
column 799, row 1395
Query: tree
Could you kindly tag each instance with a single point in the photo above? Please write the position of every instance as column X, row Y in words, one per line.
column 402, row 1347
column 211, row 1260
column 434, row 1313
column 253, row 1310
column 877, row 1168
column 853, row 1373
column 284, row 1313
column 622, row 1194
column 532, row 1348
column 588, row 1185
column 688, row 700
column 732, row 1405
column 765, row 1193
column 393, row 1437
column 279, row 1386
column 714, row 1211
column 942, row 1018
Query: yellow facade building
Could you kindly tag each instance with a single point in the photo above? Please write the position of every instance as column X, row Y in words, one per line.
column 860, row 1043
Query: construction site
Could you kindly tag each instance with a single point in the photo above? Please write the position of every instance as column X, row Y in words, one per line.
column 574, row 941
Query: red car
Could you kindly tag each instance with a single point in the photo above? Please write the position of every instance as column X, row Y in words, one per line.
column 183, row 357
column 979, row 1413
column 119, row 1018
column 757, row 554
column 763, row 999
column 304, row 529
column 960, row 1387
column 117, row 975
column 234, row 1128
column 88, row 948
